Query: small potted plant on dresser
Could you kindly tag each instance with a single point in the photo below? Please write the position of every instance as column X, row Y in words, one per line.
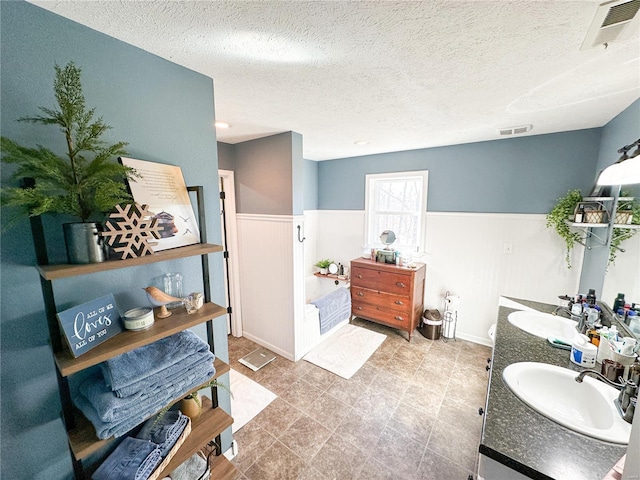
column 71, row 184
column 323, row 265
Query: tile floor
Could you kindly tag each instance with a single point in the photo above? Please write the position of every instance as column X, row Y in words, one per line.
column 411, row 412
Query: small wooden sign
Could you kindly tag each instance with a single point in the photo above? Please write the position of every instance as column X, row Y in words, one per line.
column 88, row 325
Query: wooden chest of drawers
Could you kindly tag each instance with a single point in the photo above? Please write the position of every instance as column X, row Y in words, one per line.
column 387, row 294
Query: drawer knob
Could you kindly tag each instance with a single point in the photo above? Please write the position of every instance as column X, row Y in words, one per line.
column 358, row 308
column 399, row 302
column 400, row 284
column 398, row 317
column 360, row 294
column 359, row 276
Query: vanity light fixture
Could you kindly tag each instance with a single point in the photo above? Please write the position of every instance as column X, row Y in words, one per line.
column 222, row 125
column 626, row 170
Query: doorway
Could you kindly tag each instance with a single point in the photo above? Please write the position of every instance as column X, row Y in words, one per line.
column 229, row 232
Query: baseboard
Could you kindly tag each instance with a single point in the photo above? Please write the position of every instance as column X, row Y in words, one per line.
column 472, row 338
column 264, row 344
column 232, row 452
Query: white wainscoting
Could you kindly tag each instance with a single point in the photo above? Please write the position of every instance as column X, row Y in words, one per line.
column 465, row 254
column 268, row 257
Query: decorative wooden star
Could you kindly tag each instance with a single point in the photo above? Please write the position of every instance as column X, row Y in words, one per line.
column 130, row 229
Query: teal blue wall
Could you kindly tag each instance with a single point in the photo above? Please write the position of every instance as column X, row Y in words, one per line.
column 166, row 113
column 519, row 175
column 622, row 130
column 226, row 155
column 297, row 175
column 264, row 174
column 310, row 185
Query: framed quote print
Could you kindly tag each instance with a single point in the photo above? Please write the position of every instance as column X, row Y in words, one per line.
column 162, row 188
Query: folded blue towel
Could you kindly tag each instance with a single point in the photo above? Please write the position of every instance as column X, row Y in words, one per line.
column 113, row 416
column 111, row 408
column 141, row 363
column 333, row 308
column 168, row 375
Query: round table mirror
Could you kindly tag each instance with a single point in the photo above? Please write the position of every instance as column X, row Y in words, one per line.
column 387, row 237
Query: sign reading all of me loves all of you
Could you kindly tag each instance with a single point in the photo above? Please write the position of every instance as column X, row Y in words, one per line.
column 88, row 325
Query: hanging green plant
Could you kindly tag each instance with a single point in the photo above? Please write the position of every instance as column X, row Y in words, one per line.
column 557, row 219
column 619, row 235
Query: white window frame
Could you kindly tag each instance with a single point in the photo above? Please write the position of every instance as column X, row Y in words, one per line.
column 370, row 179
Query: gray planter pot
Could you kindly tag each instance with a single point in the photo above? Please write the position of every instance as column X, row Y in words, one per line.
column 84, row 243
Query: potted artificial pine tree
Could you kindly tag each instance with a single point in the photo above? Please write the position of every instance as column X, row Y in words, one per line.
column 84, row 183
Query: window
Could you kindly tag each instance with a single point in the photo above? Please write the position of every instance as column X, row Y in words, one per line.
column 397, row 202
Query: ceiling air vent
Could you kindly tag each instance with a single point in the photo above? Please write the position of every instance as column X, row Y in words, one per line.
column 614, row 21
column 515, row 130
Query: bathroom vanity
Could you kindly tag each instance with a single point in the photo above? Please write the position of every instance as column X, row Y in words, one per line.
column 519, row 443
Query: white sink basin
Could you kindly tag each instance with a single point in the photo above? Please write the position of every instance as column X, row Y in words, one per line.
column 544, row 325
column 585, row 407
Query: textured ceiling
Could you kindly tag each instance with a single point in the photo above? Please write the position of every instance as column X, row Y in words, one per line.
column 399, row 75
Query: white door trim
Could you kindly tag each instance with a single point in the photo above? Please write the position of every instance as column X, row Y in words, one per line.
column 232, row 248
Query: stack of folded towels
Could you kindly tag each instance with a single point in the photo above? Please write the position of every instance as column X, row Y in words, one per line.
column 132, row 386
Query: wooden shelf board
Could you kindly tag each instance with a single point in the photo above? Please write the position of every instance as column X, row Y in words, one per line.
column 130, row 340
column 83, row 439
column 212, row 422
column 222, row 469
column 54, row 272
column 332, row 276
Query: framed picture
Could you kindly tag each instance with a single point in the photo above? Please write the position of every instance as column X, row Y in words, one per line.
column 163, row 189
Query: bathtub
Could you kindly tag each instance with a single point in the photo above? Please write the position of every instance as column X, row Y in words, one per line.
column 316, row 288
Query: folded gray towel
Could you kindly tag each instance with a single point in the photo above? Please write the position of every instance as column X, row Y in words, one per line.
column 140, row 364
column 333, row 308
column 193, row 469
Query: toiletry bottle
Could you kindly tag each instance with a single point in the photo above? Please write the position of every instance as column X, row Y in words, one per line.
column 618, row 302
column 604, row 351
column 591, row 297
column 613, row 333
column 579, row 215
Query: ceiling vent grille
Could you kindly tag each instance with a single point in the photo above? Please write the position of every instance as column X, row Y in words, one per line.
column 515, row 130
column 613, row 21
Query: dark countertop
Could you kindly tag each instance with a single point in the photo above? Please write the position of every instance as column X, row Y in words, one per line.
column 519, row 437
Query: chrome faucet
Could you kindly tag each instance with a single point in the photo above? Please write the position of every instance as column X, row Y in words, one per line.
column 593, row 373
column 562, row 310
column 626, row 401
column 581, row 327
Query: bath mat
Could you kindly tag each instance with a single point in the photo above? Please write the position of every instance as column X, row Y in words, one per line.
column 248, row 400
column 346, row 351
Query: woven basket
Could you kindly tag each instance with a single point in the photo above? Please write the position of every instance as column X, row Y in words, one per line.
column 595, row 216
column 623, row 218
column 185, row 433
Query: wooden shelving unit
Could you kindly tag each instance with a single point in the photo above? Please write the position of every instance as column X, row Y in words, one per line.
column 83, row 441
column 130, row 340
column 211, row 420
column 56, row 272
